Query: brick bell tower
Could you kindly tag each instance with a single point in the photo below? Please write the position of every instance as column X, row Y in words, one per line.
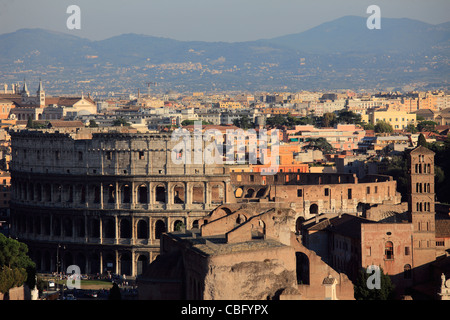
column 421, row 207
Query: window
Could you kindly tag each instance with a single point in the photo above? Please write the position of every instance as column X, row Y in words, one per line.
column 389, row 250
column 327, row 192
column 299, row 193
column 407, row 251
column 368, row 190
column 141, row 155
column 349, row 193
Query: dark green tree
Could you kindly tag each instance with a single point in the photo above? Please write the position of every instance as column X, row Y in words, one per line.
column 320, row 144
column 427, row 126
column 383, row 127
column 349, row 117
column 30, row 123
column 422, row 141
column 120, row 122
column 93, row 124
column 16, row 267
column 328, row 119
column 243, row 122
column 363, row 292
column 411, row 128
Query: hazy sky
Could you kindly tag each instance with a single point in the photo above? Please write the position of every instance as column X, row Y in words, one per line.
column 206, row 20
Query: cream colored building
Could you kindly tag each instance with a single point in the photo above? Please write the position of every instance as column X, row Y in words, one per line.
column 397, row 119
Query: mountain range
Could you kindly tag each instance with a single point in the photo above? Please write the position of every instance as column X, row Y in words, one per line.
column 340, row 54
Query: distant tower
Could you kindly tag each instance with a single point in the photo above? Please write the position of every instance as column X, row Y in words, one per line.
column 41, row 95
column 25, row 93
column 421, row 205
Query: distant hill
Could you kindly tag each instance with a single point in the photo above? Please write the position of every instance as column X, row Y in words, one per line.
column 342, row 53
column 350, row 34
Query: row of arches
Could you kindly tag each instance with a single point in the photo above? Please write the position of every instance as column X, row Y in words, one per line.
column 95, row 227
column 120, row 262
column 121, row 193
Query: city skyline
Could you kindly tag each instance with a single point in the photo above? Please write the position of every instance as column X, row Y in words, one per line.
column 200, row 20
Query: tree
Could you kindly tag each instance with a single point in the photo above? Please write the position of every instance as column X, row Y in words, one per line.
column 329, row 119
column 243, row 122
column 30, row 123
column 363, row 292
column 120, row 122
column 428, row 126
column 16, row 267
column 411, row 128
column 320, row 144
column 422, row 141
column 383, row 127
column 348, row 117
column 93, row 124
column 369, row 126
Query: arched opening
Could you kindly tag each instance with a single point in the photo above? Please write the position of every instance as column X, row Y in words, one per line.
column 126, row 194
column 56, row 227
column 46, row 226
column 47, row 193
column 95, row 228
column 259, row 230
column 240, row 219
column 79, row 228
column 178, row 194
column 160, row 228
column 80, row 261
column 198, row 194
column 178, row 225
column 142, row 229
column 389, row 250
column 67, row 224
column 249, row 193
column 94, row 264
column 111, row 193
column 160, row 193
column 97, row 194
column 109, row 263
column 125, row 264
column 217, row 194
column 125, row 228
column 302, row 268
column 239, row 192
column 109, row 228
column 143, row 194
column 195, row 224
column 299, row 224
column 261, row 193
column 142, row 264
column 314, row 209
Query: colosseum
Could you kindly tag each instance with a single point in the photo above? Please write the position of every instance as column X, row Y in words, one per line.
column 101, row 199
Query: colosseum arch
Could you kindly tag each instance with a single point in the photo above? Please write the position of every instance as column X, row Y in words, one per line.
column 109, row 228
column 302, row 268
column 313, row 209
column 249, row 193
column 94, row 230
column 125, row 192
column 47, row 192
column 125, row 228
column 178, row 193
column 142, row 264
column 198, row 194
column 142, row 229
column 217, row 193
column 67, row 227
column 125, row 263
column 79, row 228
column 178, row 225
column 160, row 193
column 80, row 261
column 142, row 193
column 56, row 226
column 46, row 225
column 160, row 228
